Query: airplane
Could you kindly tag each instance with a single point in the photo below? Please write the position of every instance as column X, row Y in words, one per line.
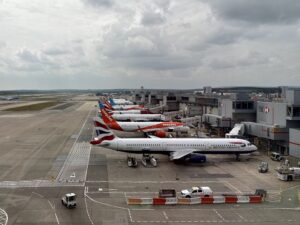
column 122, row 107
column 157, row 128
column 176, row 148
column 138, row 117
column 133, row 117
column 137, row 111
column 119, row 101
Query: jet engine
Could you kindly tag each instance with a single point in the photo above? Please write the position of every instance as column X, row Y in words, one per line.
column 195, row 158
column 160, row 134
column 192, row 158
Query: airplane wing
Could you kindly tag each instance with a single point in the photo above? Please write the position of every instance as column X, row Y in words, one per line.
column 152, row 136
column 180, row 153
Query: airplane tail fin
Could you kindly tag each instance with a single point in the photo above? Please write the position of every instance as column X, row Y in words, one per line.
column 98, row 122
column 103, row 133
column 109, row 120
column 108, row 105
column 105, row 104
column 112, row 102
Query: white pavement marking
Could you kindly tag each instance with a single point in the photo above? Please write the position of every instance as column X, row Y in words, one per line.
column 56, row 218
column 130, row 217
column 142, row 209
column 239, row 215
column 86, row 208
column 232, row 186
column 3, row 217
column 106, row 204
column 149, row 181
column 219, row 215
column 165, row 215
column 38, row 194
column 52, row 206
column 35, row 184
column 77, row 160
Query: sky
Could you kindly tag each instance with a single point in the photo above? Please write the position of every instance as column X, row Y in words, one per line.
column 96, row 44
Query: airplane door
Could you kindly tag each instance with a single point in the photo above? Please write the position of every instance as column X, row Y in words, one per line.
column 210, row 147
column 164, row 147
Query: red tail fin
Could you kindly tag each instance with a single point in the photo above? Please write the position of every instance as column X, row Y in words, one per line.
column 109, row 120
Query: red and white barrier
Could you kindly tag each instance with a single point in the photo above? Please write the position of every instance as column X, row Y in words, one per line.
column 219, row 199
column 232, row 199
column 171, row 201
column 243, row 199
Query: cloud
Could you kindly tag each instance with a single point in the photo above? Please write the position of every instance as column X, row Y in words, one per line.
column 152, row 18
column 244, row 59
column 257, row 11
column 55, row 51
column 99, row 3
column 158, row 43
column 28, row 55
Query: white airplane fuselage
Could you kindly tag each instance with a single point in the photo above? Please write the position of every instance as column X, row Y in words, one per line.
column 166, row 146
column 139, row 117
column 145, row 126
column 126, row 107
column 121, row 101
column 126, row 112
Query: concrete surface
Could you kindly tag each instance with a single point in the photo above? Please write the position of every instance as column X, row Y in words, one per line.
column 40, row 154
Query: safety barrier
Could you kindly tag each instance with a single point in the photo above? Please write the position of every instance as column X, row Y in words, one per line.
column 195, row 201
column 221, row 199
column 255, row 199
column 147, row 201
column 231, row 199
column 171, row 201
column 243, row 199
column 159, row 201
column 183, row 201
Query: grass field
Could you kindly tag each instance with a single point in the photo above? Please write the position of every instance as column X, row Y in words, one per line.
column 33, row 107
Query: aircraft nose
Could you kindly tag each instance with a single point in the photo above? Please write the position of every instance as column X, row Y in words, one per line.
column 254, row 148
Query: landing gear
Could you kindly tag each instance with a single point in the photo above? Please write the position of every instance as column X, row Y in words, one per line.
column 237, row 157
column 148, row 158
column 131, row 161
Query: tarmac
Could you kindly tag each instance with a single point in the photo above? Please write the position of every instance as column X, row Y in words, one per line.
column 46, row 154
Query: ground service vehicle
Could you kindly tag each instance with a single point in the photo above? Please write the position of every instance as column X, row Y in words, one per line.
column 167, row 193
column 276, row 156
column 196, row 192
column 289, row 174
column 263, row 167
column 69, row 200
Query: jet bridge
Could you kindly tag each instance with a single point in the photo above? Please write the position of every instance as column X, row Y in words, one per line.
column 237, row 131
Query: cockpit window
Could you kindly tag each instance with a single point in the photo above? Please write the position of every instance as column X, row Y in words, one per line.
column 249, row 144
column 243, row 145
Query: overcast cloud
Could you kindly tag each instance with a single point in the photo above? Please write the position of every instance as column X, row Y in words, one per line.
column 54, row 44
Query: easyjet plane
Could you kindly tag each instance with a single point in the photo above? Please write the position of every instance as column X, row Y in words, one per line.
column 145, row 127
column 133, row 117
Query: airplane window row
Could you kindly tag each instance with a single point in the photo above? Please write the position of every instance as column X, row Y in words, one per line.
column 142, row 145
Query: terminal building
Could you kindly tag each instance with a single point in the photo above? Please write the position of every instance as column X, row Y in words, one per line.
column 270, row 117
